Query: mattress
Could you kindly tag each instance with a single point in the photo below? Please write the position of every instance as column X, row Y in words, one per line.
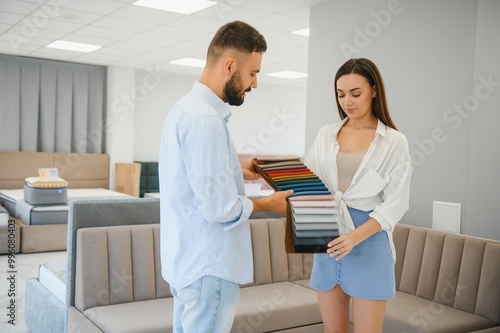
column 8, row 200
column 4, row 217
column 13, row 201
column 45, row 196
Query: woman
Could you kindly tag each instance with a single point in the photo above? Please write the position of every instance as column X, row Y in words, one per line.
column 365, row 161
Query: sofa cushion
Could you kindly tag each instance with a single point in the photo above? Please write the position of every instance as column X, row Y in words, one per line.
column 410, row 313
column 276, row 306
column 150, row 316
column 304, row 283
column 262, row 308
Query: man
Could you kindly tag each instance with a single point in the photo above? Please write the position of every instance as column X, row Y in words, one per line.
column 206, row 248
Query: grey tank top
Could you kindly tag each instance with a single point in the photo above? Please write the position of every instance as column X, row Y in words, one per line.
column 347, row 165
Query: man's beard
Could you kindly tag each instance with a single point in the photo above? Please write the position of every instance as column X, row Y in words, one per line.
column 233, row 90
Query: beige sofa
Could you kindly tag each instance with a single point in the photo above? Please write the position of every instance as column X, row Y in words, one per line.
column 119, row 288
column 445, row 282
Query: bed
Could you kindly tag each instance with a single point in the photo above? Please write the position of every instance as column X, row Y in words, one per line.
column 16, row 205
column 44, row 228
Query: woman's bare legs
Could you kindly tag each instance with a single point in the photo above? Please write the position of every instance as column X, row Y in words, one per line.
column 334, row 306
column 368, row 315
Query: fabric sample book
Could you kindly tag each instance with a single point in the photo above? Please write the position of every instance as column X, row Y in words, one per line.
column 312, row 215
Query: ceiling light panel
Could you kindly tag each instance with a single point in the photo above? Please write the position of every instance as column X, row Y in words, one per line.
column 191, row 62
column 288, row 75
column 176, row 6
column 71, row 46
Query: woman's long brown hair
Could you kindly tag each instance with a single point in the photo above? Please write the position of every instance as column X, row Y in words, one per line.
column 368, row 70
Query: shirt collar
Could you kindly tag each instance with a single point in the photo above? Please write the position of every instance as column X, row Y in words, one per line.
column 220, row 107
column 381, row 128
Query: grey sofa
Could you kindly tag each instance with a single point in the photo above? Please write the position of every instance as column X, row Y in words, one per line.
column 445, row 282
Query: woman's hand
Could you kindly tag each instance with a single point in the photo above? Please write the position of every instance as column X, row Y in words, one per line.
column 341, row 246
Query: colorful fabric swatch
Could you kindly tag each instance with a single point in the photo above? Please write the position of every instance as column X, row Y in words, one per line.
column 312, row 215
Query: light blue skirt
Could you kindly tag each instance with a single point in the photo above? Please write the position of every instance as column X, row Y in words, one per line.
column 366, row 272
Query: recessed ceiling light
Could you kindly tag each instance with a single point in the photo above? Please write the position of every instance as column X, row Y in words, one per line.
column 71, row 46
column 288, row 74
column 189, row 62
column 176, row 6
column 301, row 32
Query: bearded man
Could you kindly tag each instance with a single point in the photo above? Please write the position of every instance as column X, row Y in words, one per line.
column 206, row 248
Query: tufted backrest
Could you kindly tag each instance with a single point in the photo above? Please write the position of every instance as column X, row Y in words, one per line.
column 117, row 265
column 121, row 264
column 459, row 271
column 271, row 262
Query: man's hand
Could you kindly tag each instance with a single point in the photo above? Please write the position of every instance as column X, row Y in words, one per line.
column 276, row 202
column 248, row 170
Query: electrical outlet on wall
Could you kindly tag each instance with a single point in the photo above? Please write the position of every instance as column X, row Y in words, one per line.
column 446, row 216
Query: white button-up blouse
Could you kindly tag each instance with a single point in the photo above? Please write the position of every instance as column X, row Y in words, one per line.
column 380, row 185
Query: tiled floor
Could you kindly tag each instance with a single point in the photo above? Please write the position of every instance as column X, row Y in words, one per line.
column 26, row 266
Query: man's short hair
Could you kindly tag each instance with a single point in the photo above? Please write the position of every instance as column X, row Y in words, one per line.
column 238, row 36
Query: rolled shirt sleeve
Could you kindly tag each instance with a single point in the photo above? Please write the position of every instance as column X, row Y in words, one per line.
column 396, row 195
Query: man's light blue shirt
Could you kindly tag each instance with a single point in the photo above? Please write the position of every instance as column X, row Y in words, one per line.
column 204, row 210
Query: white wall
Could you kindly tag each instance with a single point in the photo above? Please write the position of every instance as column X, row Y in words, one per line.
column 119, row 126
column 270, row 121
column 158, row 92
column 483, row 177
column 432, row 59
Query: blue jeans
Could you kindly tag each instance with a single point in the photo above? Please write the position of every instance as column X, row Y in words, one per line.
column 208, row 305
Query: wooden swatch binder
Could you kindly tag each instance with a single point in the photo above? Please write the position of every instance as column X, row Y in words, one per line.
column 312, row 214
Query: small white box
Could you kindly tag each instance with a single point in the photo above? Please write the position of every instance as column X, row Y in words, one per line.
column 446, row 216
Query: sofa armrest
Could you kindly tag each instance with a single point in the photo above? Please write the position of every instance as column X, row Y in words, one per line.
column 44, row 312
column 79, row 323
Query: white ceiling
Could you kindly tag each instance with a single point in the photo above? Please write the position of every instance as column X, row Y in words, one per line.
column 138, row 37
